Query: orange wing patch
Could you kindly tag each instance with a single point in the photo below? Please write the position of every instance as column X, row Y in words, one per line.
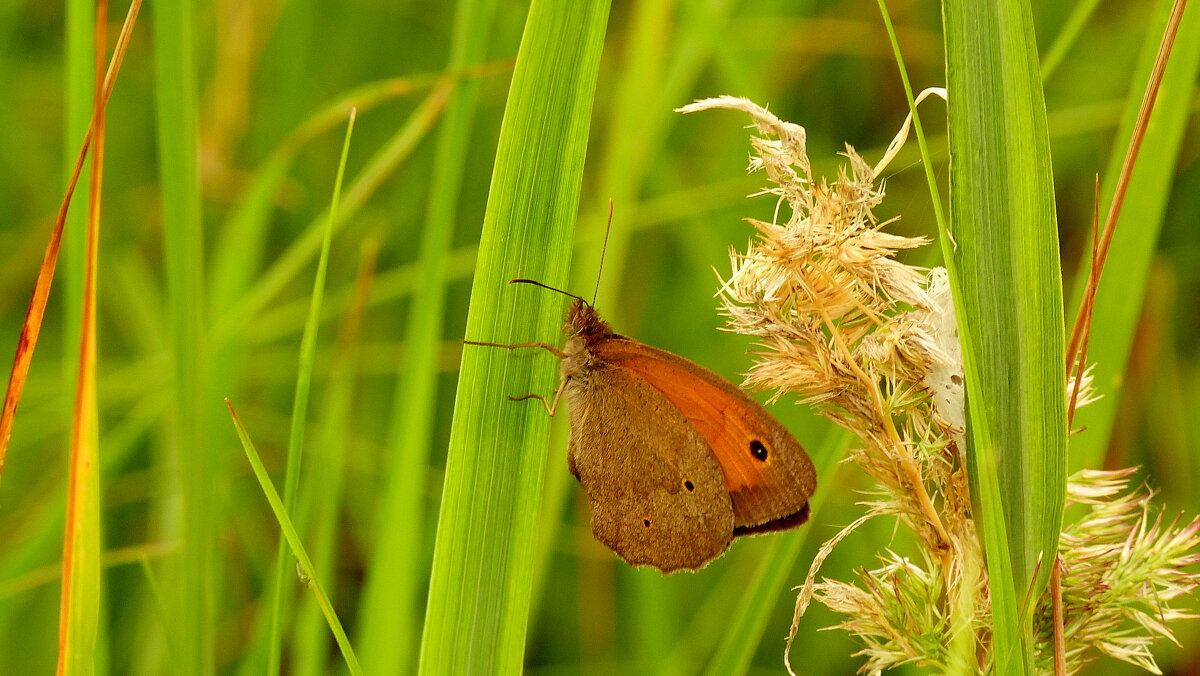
column 728, row 420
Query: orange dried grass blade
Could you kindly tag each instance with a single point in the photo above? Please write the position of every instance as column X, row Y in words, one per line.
column 1082, row 324
column 41, row 290
column 79, row 601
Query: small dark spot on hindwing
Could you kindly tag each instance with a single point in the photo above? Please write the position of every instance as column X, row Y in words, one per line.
column 758, row 450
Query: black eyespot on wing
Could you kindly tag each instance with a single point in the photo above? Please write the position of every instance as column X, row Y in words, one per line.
column 758, row 450
column 687, row 483
column 646, row 523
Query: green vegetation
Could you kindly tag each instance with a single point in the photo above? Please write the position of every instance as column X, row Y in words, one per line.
column 440, row 526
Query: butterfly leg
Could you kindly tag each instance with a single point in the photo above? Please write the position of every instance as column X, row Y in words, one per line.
column 549, row 348
column 550, row 407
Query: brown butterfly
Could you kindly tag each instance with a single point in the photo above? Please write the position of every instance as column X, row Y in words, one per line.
column 676, row 460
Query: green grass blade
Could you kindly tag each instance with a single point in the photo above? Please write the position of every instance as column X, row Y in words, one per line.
column 1123, row 284
column 83, row 531
column 293, row 539
column 1007, row 284
column 391, row 615
column 80, row 591
column 292, row 261
column 80, row 72
column 635, row 133
column 321, row 503
column 81, row 552
column 1067, row 36
column 399, row 282
column 477, row 614
column 557, row 493
column 308, row 350
column 238, row 250
column 190, row 490
column 745, row 630
column 237, row 253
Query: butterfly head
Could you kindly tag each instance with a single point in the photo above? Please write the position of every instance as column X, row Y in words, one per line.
column 583, row 321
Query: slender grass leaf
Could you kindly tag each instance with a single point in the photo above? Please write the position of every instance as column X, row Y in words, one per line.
column 1067, row 36
column 309, row 575
column 79, row 64
column 391, row 615
column 189, row 490
column 319, row 506
column 289, row 263
column 79, row 609
column 308, row 350
column 238, row 248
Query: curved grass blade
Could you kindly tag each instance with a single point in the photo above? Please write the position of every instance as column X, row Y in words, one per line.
column 308, row 574
column 238, row 247
column 390, row 612
column 308, row 350
column 321, row 501
column 79, row 16
column 291, row 261
column 190, row 583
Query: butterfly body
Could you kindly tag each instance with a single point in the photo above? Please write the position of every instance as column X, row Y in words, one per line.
column 676, row 461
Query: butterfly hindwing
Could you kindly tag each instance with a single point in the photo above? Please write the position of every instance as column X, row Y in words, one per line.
column 657, row 494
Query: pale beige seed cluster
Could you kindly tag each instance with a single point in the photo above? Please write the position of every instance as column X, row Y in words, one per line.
column 872, row 343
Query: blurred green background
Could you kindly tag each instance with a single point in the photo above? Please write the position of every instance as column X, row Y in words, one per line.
column 268, row 74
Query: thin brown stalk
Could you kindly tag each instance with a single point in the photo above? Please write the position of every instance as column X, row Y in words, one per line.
column 1131, row 155
column 1060, row 641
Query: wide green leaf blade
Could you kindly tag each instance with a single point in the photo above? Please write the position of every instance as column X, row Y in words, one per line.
column 1005, row 270
column 479, row 593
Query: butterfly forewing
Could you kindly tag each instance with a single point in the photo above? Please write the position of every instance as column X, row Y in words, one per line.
column 768, row 475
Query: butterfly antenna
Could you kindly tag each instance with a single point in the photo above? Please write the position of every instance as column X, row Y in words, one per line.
column 603, row 249
column 544, row 286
